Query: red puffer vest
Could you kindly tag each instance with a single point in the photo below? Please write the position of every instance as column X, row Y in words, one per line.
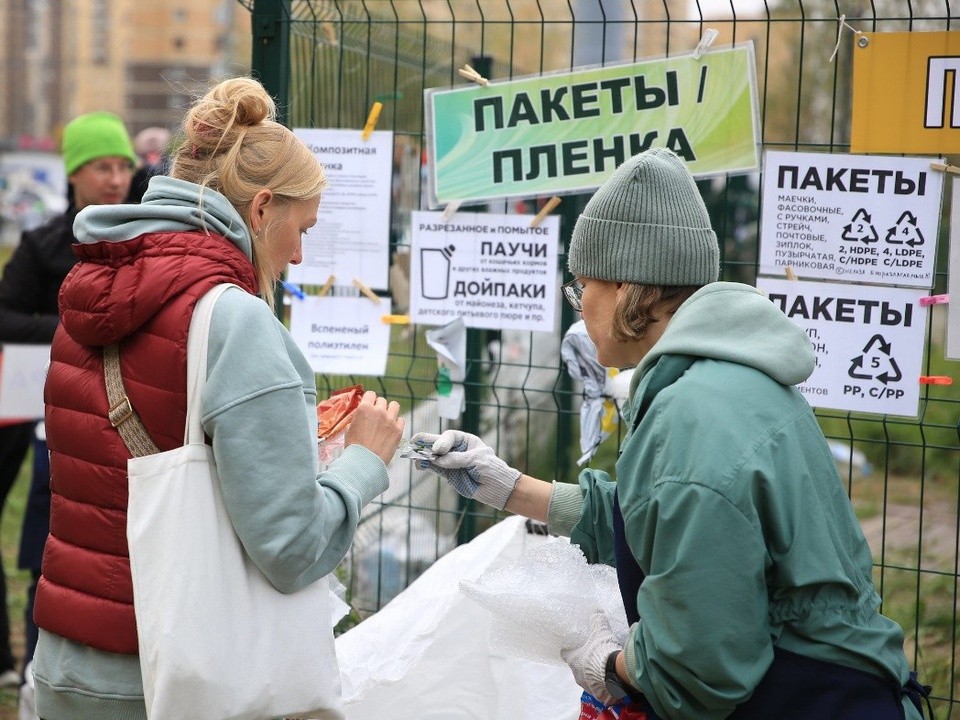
column 140, row 293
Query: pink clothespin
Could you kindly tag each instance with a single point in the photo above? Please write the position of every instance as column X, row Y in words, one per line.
column 935, row 300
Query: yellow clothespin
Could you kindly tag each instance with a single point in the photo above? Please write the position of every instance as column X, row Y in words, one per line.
column 367, row 292
column 548, row 208
column 945, row 168
column 395, row 319
column 372, row 120
column 791, row 275
column 326, row 286
column 470, row 74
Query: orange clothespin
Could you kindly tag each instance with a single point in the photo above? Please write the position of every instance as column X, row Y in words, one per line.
column 548, row 208
column 936, row 380
column 395, row 319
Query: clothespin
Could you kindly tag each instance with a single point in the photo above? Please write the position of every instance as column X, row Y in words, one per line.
column 470, row 74
column 791, row 275
column 450, row 210
column 365, row 291
column 936, row 380
column 942, row 167
column 934, row 300
column 372, row 120
column 331, row 34
column 395, row 319
column 709, row 35
column 862, row 39
column 548, row 208
column 326, row 286
column 293, row 289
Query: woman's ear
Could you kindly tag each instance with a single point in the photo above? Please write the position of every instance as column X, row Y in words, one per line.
column 260, row 207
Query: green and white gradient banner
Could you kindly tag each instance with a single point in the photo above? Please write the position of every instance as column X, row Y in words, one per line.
column 565, row 133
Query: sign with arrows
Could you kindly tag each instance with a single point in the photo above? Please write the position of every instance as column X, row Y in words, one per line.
column 868, row 343
column 850, row 217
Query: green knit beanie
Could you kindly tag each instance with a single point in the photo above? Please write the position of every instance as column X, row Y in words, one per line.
column 646, row 224
column 95, row 135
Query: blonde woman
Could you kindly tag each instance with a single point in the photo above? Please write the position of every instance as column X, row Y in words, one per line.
column 242, row 191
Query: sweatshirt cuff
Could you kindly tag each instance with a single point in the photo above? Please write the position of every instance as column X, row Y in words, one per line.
column 363, row 470
column 566, row 505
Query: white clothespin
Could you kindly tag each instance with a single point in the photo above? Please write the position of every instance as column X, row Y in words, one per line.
column 709, row 35
column 450, row 210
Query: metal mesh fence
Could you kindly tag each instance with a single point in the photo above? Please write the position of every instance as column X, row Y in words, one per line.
column 902, row 473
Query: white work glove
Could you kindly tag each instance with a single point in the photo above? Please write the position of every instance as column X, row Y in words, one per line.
column 589, row 660
column 469, row 465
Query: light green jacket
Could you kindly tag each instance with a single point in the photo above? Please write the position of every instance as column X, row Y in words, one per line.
column 734, row 510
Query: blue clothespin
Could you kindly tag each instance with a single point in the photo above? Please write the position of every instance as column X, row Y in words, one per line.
column 293, row 289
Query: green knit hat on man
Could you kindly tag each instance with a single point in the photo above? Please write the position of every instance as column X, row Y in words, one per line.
column 95, row 135
column 647, row 224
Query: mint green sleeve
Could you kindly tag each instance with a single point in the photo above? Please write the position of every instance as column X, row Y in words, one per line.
column 259, row 409
column 703, row 642
column 593, row 529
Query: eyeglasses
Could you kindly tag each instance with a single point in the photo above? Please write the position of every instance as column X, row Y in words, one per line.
column 573, row 294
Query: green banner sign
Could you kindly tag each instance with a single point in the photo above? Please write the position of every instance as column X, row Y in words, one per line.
column 565, row 133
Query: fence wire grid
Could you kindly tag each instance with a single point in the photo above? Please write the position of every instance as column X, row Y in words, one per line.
column 328, row 61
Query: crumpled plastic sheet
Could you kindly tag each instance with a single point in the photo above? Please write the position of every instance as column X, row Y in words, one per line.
column 543, row 602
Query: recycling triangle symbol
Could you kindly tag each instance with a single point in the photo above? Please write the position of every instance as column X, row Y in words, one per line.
column 876, row 363
column 860, row 229
column 905, row 231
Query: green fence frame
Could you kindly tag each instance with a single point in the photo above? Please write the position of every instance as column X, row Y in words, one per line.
column 327, row 61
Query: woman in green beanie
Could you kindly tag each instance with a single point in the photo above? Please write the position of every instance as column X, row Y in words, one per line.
column 743, row 570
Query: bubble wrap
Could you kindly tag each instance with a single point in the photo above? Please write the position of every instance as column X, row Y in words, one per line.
column 543, row 601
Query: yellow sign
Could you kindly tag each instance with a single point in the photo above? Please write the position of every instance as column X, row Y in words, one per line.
column 906, row 93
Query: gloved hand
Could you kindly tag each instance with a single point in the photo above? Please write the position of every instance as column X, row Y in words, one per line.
column 470, row 465
column 589, row 660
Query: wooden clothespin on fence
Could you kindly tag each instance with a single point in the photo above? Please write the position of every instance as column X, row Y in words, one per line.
column 943, row 167
column 709, row 35
column 548, row 208
column 327, row 285
column 791, row 275
column 366, row 291
column 450, row 210
column 470, row 74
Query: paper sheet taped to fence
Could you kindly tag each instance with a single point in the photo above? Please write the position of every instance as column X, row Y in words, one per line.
column 850, row 217
column 494, row 271
column 868, row 343
column 341, row 335
column 566, row 132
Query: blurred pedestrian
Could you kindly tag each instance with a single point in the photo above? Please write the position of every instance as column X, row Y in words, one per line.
column 99, row 160
column 152, row 147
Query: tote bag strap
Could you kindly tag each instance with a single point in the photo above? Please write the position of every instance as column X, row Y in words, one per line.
column 198, row 340
column 122, row 415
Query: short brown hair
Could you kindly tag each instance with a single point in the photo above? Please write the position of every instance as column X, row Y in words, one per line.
column 637, row 305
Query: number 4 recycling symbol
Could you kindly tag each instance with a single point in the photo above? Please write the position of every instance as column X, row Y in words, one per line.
column 875, row 364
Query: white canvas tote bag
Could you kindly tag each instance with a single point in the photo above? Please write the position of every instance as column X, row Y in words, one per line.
column 217, row 640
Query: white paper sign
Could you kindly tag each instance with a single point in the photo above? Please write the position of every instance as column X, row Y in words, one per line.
column 352, row 236
column 341, row 335
column 493, row 270
column 953, row 284
column 868, row 342
column 22, row 375
column 850, row 217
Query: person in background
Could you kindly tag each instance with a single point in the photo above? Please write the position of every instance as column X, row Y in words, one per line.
column 242, row 191
column 150, row 145
column 743, row 570
column 99, row 161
